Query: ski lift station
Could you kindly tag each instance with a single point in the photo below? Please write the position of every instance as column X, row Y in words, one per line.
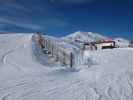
column 102, row 44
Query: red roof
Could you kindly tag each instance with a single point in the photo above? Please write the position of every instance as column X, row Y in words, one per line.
column 105, row 41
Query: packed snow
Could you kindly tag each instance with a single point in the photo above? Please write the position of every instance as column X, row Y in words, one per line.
column 28, row 74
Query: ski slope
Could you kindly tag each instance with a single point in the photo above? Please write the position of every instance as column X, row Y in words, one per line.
column 27, row 74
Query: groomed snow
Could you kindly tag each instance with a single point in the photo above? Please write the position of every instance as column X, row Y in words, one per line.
column 24, row 77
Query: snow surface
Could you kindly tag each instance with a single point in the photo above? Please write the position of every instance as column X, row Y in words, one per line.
column 27, row 74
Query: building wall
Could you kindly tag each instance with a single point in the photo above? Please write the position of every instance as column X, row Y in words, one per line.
column 100, row 45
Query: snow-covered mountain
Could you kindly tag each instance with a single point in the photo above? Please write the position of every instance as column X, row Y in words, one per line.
column 90, row 37
column 84, row 36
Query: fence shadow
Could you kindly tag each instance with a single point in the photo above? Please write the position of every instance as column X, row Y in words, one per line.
column 64, row 71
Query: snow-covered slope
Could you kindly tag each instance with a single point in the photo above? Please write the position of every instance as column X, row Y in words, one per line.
column 121, row 42
column 23, row 77
column 84, row 36
column 80, row 37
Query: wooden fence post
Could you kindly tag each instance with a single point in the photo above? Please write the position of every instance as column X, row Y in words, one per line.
column 57, row 54
column 64, row 63
column 52, row 49
column 71, row 59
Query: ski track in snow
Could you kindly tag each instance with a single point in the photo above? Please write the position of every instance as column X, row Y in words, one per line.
column 5, row 58
column 54, row 84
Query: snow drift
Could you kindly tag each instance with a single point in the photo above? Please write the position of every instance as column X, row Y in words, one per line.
column 23, row 77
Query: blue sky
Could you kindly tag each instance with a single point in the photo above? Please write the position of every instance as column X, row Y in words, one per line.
column 61, row 17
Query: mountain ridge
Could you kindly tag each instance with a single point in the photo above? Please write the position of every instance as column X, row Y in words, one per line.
column 90, row 37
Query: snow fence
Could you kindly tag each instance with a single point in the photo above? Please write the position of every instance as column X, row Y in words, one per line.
column 65, row 53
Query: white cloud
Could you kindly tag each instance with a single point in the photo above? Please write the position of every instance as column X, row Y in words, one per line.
column 31, row 16
column 20, row 24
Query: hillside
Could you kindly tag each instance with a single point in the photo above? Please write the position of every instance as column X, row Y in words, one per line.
column 121, row 42
column 81, row 37
column 84, row 36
